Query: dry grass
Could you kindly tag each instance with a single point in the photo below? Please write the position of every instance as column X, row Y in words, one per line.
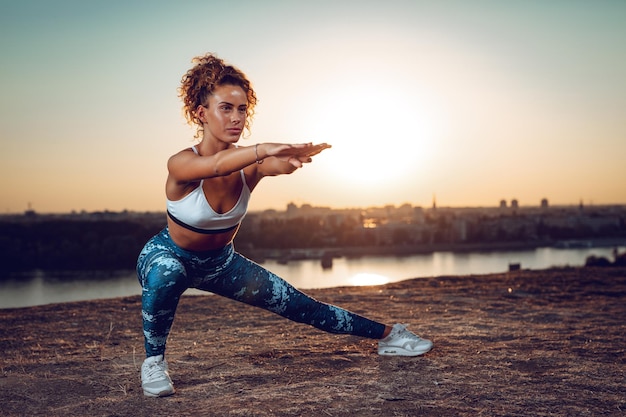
column 540, row 343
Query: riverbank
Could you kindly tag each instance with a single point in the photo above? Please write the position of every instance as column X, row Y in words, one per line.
column 519, row 343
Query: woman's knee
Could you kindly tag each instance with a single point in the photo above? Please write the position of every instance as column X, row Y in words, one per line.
column 164, row 273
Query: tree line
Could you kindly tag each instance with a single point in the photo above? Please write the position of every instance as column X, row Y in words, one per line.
column 65, row 244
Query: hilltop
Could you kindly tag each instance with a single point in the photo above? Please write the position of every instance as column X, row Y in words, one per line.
column 522, row 343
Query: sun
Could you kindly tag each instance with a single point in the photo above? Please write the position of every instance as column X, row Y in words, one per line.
column 380, row 133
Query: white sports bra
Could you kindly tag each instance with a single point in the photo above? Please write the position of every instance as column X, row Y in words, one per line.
column 194, row 212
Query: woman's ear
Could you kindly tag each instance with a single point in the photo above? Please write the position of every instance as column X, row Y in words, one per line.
column 201, row 113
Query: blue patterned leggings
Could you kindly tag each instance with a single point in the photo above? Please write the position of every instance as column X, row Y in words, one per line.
column 165, row 271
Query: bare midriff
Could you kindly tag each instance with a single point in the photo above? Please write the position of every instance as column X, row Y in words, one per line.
column 199, row 242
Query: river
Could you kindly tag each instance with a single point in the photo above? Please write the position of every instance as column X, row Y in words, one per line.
column 39, row 287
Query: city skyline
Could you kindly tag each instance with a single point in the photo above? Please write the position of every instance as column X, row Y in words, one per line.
column 470, row 102
column 510, row 205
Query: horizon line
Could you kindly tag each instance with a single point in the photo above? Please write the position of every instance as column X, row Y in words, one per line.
column 32, row 211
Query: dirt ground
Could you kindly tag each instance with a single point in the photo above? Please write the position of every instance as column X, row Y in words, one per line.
column 524, row 343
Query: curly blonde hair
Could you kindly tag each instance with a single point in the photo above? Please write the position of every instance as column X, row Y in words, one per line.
column 198, row 84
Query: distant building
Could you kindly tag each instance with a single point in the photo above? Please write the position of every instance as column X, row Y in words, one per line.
column 30, row 212
column 503, row 203
column 514, row 204
column 544, row 203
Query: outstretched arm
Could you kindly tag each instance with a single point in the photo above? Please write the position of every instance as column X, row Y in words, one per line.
column 281, row 158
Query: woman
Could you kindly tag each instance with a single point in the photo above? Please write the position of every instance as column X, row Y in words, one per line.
column 207, row 190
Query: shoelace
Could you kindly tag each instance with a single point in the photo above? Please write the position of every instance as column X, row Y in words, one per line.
column 408, row 335
column 155, row 371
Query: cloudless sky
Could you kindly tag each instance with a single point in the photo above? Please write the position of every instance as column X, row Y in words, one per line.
column 468, row 101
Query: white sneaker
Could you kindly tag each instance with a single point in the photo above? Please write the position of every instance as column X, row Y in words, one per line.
column 155, row 379
column 401, row 342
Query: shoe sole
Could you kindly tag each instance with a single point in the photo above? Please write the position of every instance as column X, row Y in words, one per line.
column 159, row 394
column 402, row 352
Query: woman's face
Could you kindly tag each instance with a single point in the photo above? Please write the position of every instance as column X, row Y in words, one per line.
column 225, row 115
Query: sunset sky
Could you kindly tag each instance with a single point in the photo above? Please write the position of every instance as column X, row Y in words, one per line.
column 468, row 101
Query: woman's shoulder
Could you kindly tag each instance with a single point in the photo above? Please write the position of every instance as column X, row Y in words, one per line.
column 184, row 153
